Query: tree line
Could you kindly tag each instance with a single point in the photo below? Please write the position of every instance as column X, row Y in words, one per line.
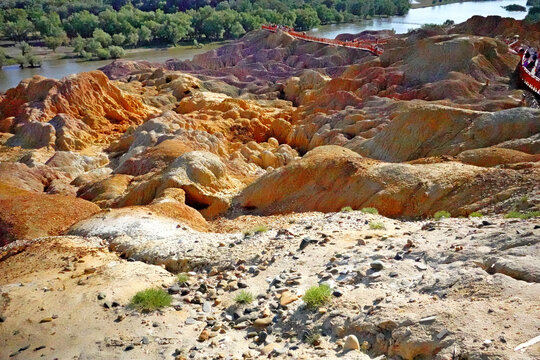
column 103, row 28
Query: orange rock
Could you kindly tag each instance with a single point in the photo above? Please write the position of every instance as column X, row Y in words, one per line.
column 329, row 178
column 90, row 97
column 27, row 215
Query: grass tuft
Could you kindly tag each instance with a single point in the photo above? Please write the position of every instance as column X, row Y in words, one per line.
column 346, row 209
column 244, row 297
column 151, row 299
column 376, row 225
column 442, row 214
column 475, row 214
column 313, row 338
column 523, row 216
column 370, row 210
column 317, row 296
column 182, row 278
column 259, row 229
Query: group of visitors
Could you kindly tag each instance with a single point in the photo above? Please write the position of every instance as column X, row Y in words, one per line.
column 530, row 61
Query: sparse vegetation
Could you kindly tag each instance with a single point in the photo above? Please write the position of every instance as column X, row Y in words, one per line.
column 182, row 278
column 514, row 7
column 376, row 225
column 259, row 229
column 244, row 297
column 442, row 214
column 522, row 215
column 313, row 337
column 151, row 299
column 317, row 296
column 370, row 210
column 346, row 209
column 476, row 214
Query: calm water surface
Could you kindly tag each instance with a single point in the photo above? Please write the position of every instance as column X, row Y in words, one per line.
column 10, row 76
column 459, row 12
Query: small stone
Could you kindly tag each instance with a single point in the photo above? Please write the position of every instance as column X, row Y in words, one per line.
column 420, row 266
column 46, row 320
column 442, row 334
column 261, row 323
column 190, row 321
column 145, row 340
column 207, row 307
column 377, row 265
column 486, row 343
column 175, row 289
column 351, row 343
column 323, row 310
column 129, row 347
column 262, row 337
column 337, row 293
column 2, row 318
column 204, row 335
column 101, row 296
column 287, row 297
column 269, row 348
column 428, row 320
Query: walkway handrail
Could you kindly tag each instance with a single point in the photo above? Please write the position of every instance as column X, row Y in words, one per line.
column 358, row 44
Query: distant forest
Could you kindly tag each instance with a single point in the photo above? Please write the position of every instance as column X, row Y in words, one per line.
column 131, row 23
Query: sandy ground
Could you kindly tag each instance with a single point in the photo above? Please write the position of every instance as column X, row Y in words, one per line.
column 50, row 306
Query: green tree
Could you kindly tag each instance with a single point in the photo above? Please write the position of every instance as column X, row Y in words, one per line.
column 78, row 44
column 213, row 27
column 92, row 46
column 18, row 30
column 53, row 42
column 237, row 30
column 145, row 34
column 33, row 60
column 24, row 47
column 103, row 54
column 82, row 23
column 306, row 19
column 49, row 25
column 116, row 52
column 175, row 28
column 102, row 37
column 132, row 39
column 118, row 39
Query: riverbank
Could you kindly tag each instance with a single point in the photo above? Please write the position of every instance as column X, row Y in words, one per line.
column 64, row 62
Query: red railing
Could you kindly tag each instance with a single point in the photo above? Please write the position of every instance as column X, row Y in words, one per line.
column 373, row 47
column 530, row 79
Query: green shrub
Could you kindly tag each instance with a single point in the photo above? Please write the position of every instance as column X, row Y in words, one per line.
column 116, row 52
column 103, row 54
column 151, row 299
column 33, row 60
column 346, row 209
column 523, row 216
column 244, row 297
column 370, row 210
column 182, row 278
column 376, row 225
column 442, row 214
column 475, row 214
column 317, row 296
column 256, row 230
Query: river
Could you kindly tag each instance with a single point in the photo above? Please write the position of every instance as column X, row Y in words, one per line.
column 458, row 12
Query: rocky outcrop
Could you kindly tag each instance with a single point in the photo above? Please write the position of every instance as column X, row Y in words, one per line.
column 89, row 97
column 29, row 215
column 329, row 178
